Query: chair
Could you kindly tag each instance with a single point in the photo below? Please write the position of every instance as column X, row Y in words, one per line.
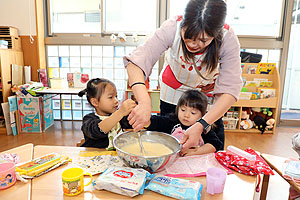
column 78, row 144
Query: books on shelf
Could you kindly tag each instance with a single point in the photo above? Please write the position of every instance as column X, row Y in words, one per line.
column 251, row 68
column 258, row 68
column 266, row 93
column 265, row 68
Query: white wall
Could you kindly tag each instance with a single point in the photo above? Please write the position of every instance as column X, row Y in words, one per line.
column 20, row 14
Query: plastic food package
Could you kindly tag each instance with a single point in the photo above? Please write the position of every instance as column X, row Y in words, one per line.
column 123, row 180
column 10, row 157
column 175, row 187
column 41, row 165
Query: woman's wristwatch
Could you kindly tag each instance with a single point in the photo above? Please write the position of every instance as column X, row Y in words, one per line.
column 206, row 126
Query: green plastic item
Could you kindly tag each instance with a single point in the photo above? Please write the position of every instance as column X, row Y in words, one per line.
column 244, row 89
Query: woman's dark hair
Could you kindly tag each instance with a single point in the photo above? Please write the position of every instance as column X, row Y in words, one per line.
column 95, row 88
column 204, row 16
column 194, row 99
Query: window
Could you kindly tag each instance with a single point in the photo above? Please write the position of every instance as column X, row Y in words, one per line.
column 256, row 17
column 268, row 55
column 291, row 91
column 177, row 7
column 94, row 60
column 130, row 16
column 81, row 16
column 251, row 18
column 69, row 16
column 82, row 43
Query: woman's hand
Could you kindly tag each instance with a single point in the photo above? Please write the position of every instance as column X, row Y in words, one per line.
column 192, row 137
column 140, row 116
column 127, row 106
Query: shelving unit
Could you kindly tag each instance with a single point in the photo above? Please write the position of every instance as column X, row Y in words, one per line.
column 7, row 58
column 271, row 103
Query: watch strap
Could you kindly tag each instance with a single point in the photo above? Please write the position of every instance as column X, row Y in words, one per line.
column 204, row 123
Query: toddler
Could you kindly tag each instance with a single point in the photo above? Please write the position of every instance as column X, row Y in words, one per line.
column 100, row 128
column 191, row 107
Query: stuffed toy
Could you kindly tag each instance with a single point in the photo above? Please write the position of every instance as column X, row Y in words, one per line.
column 267, row 111
column 246, row 112
column 260, row 116
column 259, row 119
column 255, row 111
column 260, row 123
column 244, row 116
column 246, row 124
column 270, row 124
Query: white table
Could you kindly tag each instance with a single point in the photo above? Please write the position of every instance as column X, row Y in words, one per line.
column 60, row 92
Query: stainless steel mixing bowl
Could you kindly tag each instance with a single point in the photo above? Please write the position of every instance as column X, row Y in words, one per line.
column 150, row 163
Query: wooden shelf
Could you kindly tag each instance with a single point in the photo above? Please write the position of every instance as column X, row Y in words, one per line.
column 7, row 58
column 261, row 103
column 252, row 130
column 270, row 103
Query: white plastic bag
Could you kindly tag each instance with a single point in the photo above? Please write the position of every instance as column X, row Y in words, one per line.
column 123, row 180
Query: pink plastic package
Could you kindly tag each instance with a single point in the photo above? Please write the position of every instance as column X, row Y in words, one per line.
column 10, row 157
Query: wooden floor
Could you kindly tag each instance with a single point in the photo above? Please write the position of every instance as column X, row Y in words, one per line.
column 68, row 133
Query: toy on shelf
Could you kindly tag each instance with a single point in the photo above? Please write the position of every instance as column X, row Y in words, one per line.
column 260, row 116
column 230, row 119
column 230, row 123
column 229, row 113
column 270, row 124
column 246, row 124
column 267, row 111
column 246, row 112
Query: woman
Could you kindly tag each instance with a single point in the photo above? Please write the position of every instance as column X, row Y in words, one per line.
column 201, row 52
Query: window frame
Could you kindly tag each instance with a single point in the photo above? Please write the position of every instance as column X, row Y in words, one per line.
column 162, row 14
column 102, row 38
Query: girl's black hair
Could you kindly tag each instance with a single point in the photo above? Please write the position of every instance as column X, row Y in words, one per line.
column 95, row 88
column 204, row 16
column 193, row 99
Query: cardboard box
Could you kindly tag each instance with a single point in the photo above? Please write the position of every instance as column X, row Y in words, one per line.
column 35, row 113
column 48, row 119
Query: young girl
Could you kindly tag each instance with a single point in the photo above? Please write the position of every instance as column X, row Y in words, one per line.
column 191, row 107
column 100, row 128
